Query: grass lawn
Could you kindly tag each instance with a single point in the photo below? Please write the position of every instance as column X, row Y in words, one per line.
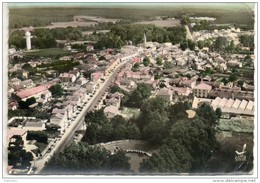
column 129, row 112
column 50, row 52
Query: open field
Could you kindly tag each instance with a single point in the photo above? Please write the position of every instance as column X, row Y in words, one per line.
column 24, row 17
column 95, row 19
column 162, row 23
column 47, row 52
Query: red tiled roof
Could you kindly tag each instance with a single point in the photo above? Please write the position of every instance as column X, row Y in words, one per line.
column 32, row 91
column 136, row 60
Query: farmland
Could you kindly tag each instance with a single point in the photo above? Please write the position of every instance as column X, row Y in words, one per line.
column 162, row 23
column 24, row 17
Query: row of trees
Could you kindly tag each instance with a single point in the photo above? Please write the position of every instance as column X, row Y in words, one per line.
column 82, row 158
column 39, row 136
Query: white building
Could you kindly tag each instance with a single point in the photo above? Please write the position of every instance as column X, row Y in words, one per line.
column 28, row 40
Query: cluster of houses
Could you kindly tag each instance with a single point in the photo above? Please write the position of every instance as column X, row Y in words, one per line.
column 80, row 83
column 231, row 34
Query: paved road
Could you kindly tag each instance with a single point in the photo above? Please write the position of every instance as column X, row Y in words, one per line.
column 67, row 137
column 188, row 34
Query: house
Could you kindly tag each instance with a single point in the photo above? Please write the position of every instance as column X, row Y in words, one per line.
column 96, row 76
column 27, row 83
column 181, row 90
column 82, row 81
column 234, row 63
column 65, row 58
column 45, row 97
column 90, row 86
column 187, row 82
column 16, row 132
column 221, row 67
column 34, row 126
column 165, row 93
column 248, row 87
column 11, row 51
column 15, row 81
column 59, row 119
column 114, row 99
column 33, row 92
column 202, row 90
column 111, row 111
column 75, row 72
column 67, row 77
column 12, row 106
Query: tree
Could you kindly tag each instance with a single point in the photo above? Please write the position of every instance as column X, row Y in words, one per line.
column 178, row 111
column 231, row 47
column 139, row 95
column 17, row 156
column 184, row 45
column 191, row 44
column 102, row 58
column 198, row 137
column 220, row 44
column 56, row 90
column 233, row 77
column 218, row 112
column 118, row 121
column 185, row 20
column 146, row 61
column 25, row 104
column 240, row 83
column 207, row 112
column 30, row 101
column 172, row 158
column 247, row 41
column 88, row 160
column 200, row 44
column 135, row 67
column 39, row 136
column 159, row 61
column 115, row 88
column 153, row 120
column 117, row 163
column 26, row 66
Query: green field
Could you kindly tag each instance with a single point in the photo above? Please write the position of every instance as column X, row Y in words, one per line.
column 51, row 52
column 235, row 13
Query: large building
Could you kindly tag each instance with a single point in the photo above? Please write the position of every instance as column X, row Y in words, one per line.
column 202, row 90
column 39, row 92
column 234, row 106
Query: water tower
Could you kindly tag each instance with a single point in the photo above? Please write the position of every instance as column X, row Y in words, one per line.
column 28, row 40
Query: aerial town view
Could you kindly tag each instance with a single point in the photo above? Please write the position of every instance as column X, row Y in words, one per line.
column 130, row 89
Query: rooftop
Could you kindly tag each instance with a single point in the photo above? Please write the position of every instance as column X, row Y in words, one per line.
column 32, row 91
column 203, row 86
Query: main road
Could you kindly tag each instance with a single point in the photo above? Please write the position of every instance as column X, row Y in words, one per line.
column 68, row 135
